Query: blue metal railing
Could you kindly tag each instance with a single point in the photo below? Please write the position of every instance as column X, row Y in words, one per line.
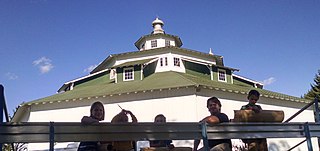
column 1, row 106
column 315, row 102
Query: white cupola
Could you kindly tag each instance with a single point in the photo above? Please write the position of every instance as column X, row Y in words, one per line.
column 157, row 26
column 158, row 38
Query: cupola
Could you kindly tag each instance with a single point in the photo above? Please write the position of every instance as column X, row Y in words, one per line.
column 158, row 38
column 157, row 26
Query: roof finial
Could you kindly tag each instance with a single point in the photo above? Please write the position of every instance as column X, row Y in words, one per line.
column 210, row 52
column 157, row 26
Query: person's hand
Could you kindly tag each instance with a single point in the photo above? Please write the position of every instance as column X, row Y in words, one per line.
column 255, row 109
column 126, row 111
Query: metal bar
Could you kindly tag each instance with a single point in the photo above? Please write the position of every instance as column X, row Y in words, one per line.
column 296, row 114
column 297, row 145
column 204, row 136
column 65, row 132
column 316, row 107
column 307, row 134
column 7, row 119
column 317, row 114
column 6, row 113
column 1, row 106
column 51, row 136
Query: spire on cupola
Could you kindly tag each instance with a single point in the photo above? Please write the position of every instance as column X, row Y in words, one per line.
column 157, row 26
column 210, row 52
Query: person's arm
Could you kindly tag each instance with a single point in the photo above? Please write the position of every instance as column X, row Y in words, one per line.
column 211, row 120
column 133, row 117
column 89, row 120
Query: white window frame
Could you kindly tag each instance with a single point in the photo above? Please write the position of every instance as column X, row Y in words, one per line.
column 225, row 75
column 166, row 61
column 125, row 70
column 167, row 42
column 176, row 62
column 154, row 43
column 161, row 62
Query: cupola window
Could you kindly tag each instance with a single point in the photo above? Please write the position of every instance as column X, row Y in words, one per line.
column 176, row 62
column 153, row 43
column 164, row 61
column 167, row 43
column 161, row 62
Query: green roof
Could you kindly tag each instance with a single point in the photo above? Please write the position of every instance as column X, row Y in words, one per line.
column 155, row 82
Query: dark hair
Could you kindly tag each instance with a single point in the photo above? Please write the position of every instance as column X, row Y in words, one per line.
column 253, row 92
column 215, row 100
column 94, row 105
column 160, row 115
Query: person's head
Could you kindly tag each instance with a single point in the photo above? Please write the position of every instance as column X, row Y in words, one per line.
column 214, row 105
column 120, row 118
column 97, row 111
column 160, row 118
column 253, row 96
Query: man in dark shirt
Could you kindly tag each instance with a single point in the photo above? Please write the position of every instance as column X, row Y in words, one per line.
column 216, row 117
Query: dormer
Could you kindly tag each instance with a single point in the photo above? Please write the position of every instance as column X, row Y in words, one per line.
column 158, row 38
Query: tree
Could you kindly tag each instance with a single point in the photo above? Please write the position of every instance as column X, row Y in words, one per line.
column 313, row 93
column 315, row 88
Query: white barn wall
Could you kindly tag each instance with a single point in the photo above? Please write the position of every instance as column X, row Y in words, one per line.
column 175, row 104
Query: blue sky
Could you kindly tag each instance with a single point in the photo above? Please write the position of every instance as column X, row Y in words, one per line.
column 45, row 43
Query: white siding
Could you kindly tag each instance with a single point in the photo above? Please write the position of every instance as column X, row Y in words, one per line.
column 175, row 105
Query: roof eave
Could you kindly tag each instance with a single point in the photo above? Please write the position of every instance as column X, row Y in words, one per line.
column 20, row 113
column 104, row 62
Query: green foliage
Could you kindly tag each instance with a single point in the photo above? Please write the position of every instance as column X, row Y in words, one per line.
column 315, row 88
column 17, row 147
column 6, row 147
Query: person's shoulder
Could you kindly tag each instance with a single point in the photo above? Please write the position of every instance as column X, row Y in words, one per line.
column 89, row 120
column 258, row 106
column 85, row 118
column 223, row 114
column 244, row 107
column 223, row 117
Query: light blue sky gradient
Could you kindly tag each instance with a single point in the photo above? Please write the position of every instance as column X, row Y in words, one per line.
column 44, row 43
